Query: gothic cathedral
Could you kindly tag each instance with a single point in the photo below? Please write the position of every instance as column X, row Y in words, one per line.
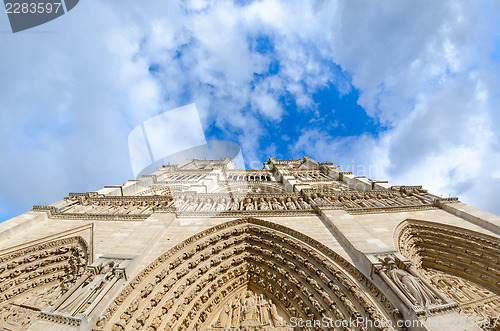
column 298, row 245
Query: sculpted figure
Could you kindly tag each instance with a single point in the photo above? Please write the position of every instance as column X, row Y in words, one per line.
column 318, row 200
column 222, row 205
column 303, row 204
column 224, row 320
column 235, row 205
column 207, row 205
column 410, row 285
column 236, row 310
column 290, row 204
column 179, row 202
column 192, row 204
column 277, row 205
column 249, row 204
column 265, row 310
column 277, row 319
column 263, row 205
column 250, row 311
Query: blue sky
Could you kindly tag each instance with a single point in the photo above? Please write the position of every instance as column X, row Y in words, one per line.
column 399, row 91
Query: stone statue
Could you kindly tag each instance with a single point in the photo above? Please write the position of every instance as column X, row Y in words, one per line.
column 222, row 205
column 290, row 205
column 192, row 204
column 277, row 205
column 250, row 311
column 264, row 309
column 236, row 311
column 303, row 204
column 224, row 317
column 276, row 318
column 249, row 204
column 207, row 206
column 235, row 205
column 263, row 205
column 411, row 286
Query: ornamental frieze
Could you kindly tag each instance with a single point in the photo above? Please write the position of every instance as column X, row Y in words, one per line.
column 248, row 203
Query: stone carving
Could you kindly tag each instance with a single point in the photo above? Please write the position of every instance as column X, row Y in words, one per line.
column 130, row 205
column 252, row 192
column 182, row 177
column 26, row 269
column 311, row 175
column 186, row 292
column 249, row 309
column 333, row 186
column 475, row 301
column 35, row 277
column 441, row 253
column 15, row 317
column 384, row 199
column 410, row 285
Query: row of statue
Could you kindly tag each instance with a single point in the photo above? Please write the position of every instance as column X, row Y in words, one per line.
column 372, row 199
column 200, row 203
column 245, row 204
column 118, row 206
column 249, row 177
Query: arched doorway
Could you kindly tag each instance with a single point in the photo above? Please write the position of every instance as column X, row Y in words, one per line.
column 246, row 274
column 462, row 264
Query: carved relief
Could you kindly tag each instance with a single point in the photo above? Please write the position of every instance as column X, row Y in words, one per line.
column 371, row 201
column 252, row 192
column 409, row 286
column 37, row 276
column 250, row 309
column 87, row 293
column 189, row 286
column 308, row 176
column 253, row 204
column 475, row 301
column 462, row 264
column 87, row 204
column 248, row 176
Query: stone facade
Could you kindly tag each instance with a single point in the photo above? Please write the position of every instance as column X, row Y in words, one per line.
column 298, row 245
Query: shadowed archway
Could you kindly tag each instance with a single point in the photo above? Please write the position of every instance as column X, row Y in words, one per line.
column 462, row 264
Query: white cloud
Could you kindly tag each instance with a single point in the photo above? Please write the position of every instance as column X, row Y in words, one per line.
column 424, row 69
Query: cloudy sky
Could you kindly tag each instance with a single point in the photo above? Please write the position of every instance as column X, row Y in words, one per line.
column 405, row 91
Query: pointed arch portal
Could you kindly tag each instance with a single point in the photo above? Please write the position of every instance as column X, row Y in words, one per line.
column 462, row 264
column 246, row 274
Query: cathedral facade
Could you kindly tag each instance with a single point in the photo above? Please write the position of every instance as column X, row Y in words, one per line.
column 298, row 245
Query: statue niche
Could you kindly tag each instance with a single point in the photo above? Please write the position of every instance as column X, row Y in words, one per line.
column 250, row 309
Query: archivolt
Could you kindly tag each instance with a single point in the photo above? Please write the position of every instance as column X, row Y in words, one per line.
column 183, row 288
column 32, row 267
column 468, row 254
